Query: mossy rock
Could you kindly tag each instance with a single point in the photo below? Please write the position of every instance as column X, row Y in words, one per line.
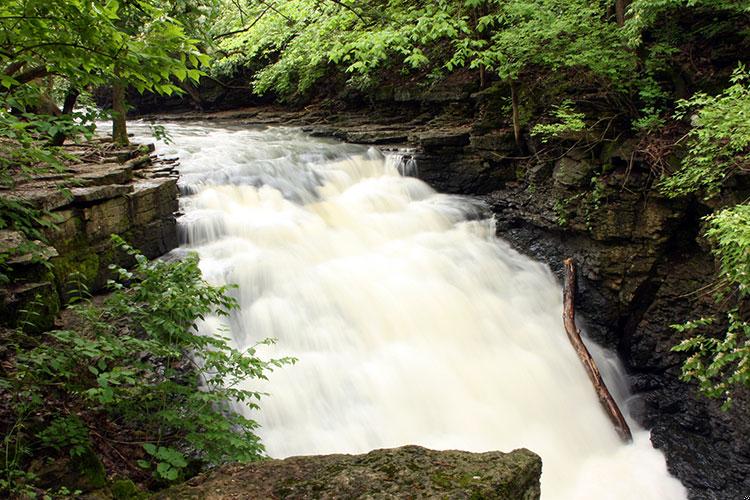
column 76, row 271
column 83, row 473
column 125, row 489
column 32, row 306
column 409, row 471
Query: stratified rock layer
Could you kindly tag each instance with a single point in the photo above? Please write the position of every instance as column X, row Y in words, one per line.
column 110, row 191
column 406, row 472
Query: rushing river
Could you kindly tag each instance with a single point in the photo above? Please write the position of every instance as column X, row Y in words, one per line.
column 412, row 322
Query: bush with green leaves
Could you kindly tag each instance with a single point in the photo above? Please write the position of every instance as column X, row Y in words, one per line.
column 718, row 144
column 720, row 365
column 137, row 372
column 717, row 147
column 567, row 121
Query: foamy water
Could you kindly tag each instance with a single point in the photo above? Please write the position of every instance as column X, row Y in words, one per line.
column 412, row 322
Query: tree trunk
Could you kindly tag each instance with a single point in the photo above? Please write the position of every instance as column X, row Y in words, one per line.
column 620, row 6
column 605, row 398
column 516, row 113
column 70, row 102
column 119, row 115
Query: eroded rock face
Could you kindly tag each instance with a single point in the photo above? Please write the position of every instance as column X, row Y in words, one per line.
column 111, row 191
column 406, row 472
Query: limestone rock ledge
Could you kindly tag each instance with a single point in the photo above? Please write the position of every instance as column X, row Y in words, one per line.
column 104, row 190
column 406, row 472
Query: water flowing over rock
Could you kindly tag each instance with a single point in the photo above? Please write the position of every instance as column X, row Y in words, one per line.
column 412, row 322
column 407, row 472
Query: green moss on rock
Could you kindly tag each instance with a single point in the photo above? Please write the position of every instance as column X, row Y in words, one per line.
column 409, row 471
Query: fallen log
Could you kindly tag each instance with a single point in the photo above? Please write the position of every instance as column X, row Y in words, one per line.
column 574, row 335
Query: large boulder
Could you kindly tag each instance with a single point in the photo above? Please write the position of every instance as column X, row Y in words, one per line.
column 406, row 472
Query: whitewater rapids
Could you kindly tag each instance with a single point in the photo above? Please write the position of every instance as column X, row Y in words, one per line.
column 412, row 322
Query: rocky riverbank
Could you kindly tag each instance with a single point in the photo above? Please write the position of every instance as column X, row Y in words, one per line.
column 643, row 265
column 102, row 190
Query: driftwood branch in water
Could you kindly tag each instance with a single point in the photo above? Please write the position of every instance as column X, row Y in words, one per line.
column 569, row 319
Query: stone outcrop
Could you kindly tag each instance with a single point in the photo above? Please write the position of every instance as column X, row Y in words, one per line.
column 407, row 472
column 111, row 190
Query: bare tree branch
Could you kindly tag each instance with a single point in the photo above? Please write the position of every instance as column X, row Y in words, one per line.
column 248, row 28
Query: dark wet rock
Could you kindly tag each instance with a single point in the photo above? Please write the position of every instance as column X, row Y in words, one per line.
column 641, row 266
column 82, row 473
column 407, row 472
column 440, row 139
column 377, row 137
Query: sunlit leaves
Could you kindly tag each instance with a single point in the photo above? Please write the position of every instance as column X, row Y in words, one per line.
column 718, row 144
column 139, row 362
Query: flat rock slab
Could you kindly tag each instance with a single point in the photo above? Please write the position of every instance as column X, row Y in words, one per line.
column 406, row 472
column 377, row 136
column 18, row 250
column 39, row 195
column 89, row 174
column 442, row 138
column 97, row 193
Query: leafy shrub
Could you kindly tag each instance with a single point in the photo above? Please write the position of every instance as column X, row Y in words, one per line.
column 567, row 121
column 138, row 371
column 721, row 364
column 719, row 142
column 718, row 148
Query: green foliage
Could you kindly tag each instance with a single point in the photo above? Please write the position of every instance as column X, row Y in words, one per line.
column 718, row 144
column 646, row 15
column 720, row 365
column 139, row 363
column 83, row 40
column 299, row 41
column 169, row 462
column 25, row 139
column 553, row 34
column 74, row 45
column 21, row 217
column 67, row 433
column 567, row 121
column 729, row 230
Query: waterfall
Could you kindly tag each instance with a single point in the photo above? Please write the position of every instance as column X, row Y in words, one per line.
column 412, row 322
column 402, row 161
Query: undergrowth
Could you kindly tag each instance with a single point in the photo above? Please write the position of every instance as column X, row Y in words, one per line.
column 134, row 382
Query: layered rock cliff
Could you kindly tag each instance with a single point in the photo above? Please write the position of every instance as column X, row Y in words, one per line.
column 104, row 190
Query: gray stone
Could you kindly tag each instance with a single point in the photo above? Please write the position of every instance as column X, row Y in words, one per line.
column 152, row 199
column 377, row 137
column 442, row 138
column 139, row 162
column 98, row 193
column 102, row 174
column 496, row 141
column 573, row 173
column 20, row 250
column 107, row 218
column 41, row 196
column 406, row 472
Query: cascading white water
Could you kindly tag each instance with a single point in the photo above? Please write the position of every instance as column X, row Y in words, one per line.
column 412, row 322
